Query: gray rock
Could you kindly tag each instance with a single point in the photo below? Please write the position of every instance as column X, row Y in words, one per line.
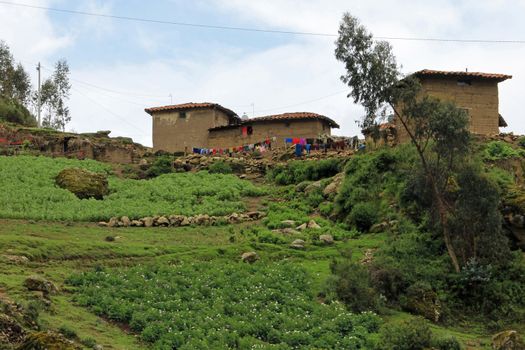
column 313, row 224
column 381, row 227
column 326, row 239
column 148, row 221
column 297, row 244
column 517, row 221
column 137, row 223
column 163, row 221
column 185, row 222
column 113, row 222
column 333, row 188
column 302, row 227
column 250, row 257
column 102, row 224
column 40, row 284
column 507, row 340
column 125, row 221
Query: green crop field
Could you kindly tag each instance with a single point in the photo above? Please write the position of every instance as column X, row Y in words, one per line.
column 29, row 192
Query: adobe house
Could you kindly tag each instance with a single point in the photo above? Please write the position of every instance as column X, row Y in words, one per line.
column 179, row 128
column 475, row 92
column 305, row 125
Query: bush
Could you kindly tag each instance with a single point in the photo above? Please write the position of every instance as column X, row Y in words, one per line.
column 449, row 343
column 298, row 171
column 13, row 112
column 363, row 216
column 161, row 165
column 67, row 332
column 220, row 167
column 497, row 150
column 414, row 334
column 350, row 283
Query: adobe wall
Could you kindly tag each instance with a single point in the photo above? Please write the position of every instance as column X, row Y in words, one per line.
column 174, row 134
column 480, row 100
column 232, row 137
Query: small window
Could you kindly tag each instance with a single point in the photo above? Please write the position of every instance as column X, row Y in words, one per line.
column 182, row 115
column 464, row 82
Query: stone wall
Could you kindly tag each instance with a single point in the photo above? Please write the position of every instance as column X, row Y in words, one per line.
column 480, row 99
column 231, row 137
column 174, row 133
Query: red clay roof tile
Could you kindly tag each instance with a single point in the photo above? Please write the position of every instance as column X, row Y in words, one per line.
column 191, row 105
column 283, row 116
column 479, row 75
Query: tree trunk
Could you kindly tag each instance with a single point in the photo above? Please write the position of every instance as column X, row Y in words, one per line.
column 442, row 210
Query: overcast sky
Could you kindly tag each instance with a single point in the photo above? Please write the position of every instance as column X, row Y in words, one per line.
column 118, row 68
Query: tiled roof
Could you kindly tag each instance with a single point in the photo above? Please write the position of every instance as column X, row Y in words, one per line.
column 191, row 105
column 460, row 74
column 293, row 116
column 284, row 116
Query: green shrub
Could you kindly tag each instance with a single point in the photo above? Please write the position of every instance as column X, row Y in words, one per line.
column 13, row 112
column 349, row 282
column 414, row 334
column 298, row 171
column 220, row 167
column 363, row 216
column 161, row 165
column 67, row 332
column 449, row 343
column 326, row 209
column 521, row 141
column 497, row 150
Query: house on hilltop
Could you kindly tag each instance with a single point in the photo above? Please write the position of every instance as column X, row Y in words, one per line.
column 475, row 92
column 179, row 128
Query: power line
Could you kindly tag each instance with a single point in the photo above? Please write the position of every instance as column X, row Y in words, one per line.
column 303, row 102
column 247, row 29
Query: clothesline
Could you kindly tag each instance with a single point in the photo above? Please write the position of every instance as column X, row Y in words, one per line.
column 262, row 147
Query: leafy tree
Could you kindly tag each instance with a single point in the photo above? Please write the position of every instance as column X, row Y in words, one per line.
column 14, row 80
column 438, row 130
column 14, row 112
column 54, row 95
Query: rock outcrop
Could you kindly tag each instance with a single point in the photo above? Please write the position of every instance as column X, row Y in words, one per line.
column 83, row 183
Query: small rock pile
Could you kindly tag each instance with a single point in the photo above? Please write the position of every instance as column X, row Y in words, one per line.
column 182, row 220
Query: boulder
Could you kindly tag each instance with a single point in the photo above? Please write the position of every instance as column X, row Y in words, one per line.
column 507, row 340
column 255, row 215
column 302, row 227
column 313, row 224
column 113, row 222
column 249, row 257
column 297, row 244
column 10, row 330
column 313, row 187
column 148, row 221
column 137, row 223
column 83, row 183
column 333, row 188
column 16, row 259
column 125, row 221
column 185, row 221
column 40, row 284
column 326, row 239
column 163, row 221
column 288, row 223
column 381, row 227
column 102, row 224
column 234, row 218
column 47, row 340
column 175, row 220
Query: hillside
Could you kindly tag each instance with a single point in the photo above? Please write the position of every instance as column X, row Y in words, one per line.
column 339, row 256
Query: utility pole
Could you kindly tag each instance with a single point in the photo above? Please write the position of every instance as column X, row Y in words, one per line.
column 39, row 98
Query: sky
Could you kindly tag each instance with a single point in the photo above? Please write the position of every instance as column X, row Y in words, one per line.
column 119, row 67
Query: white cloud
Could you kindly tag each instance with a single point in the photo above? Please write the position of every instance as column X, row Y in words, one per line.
column 29, row 32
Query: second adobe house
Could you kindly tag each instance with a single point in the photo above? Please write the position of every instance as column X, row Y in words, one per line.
column 181, row 127
column 475, row 92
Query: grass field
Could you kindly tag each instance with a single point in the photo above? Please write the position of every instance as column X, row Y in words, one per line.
column 185, row 287
column 29, row 192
